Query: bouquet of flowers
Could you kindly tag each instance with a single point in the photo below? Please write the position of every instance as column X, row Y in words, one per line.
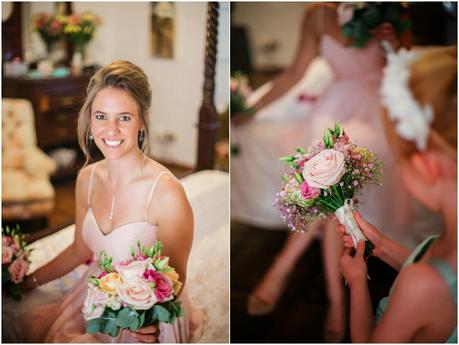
column 50, row 28
column 357, row 19
column 240, row 91
column 132, row 294
column 324, row 180
column 15, row 261
column 80, row 29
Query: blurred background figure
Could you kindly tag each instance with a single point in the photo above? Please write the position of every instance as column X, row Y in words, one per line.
column 328, row 80
column 49, row 52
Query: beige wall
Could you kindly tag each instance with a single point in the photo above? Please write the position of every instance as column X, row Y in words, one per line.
column 268, row 21
column 176, row 83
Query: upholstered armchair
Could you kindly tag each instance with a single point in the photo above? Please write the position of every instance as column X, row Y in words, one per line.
column 26, row 169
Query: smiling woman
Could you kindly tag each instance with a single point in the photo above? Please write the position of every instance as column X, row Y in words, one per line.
column 109, row 219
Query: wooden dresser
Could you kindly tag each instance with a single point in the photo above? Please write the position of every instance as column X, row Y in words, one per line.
column 56, row 103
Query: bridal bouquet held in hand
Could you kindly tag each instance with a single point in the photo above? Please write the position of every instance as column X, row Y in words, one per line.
column 132, row 294
column 15, row 261
column 324, row 180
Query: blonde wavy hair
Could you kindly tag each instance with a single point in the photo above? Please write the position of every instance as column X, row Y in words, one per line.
column 433, row 80
column 121, row 75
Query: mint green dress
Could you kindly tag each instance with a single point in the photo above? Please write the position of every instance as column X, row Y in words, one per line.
column 441, row 266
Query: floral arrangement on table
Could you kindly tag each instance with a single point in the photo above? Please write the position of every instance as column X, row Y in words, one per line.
column 324, row 180
column 15, row 261
column 80, row 29
column 50, row 28
column 240, row 91
column 357, row 19
column 132, row 294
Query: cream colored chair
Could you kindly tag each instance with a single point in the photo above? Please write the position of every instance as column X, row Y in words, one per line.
column 26, row 169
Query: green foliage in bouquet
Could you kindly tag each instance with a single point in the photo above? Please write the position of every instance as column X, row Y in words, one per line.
column 368, row 16
column 111, row 322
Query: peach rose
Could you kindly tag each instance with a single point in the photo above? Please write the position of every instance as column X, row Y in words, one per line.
column 18, row 269
column 109, row 282
column 172, row 275
column 138, row 294
column 7, row 254
column 325, row 169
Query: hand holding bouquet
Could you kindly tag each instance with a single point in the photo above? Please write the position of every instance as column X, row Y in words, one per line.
column 324, row 180
column 15, row 261
column 132, row 294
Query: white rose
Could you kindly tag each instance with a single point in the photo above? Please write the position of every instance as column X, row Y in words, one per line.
column 325, row 169
column 133, row 270
column 345, row 12
column 94, row 303
column 7, row 254
column 138, row 294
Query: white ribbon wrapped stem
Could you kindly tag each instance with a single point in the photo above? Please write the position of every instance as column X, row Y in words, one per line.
column 346, row 217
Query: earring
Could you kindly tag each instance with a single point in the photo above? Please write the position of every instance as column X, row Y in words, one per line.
column 91, row 137
column 141, row 135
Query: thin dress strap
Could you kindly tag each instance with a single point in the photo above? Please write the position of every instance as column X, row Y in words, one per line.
column 150, row 195
column 90, row 183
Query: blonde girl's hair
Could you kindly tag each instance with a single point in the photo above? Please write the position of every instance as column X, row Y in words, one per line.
column 433, row 81
column 121, row 75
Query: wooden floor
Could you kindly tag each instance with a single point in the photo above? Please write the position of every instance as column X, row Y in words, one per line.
column 301, row 311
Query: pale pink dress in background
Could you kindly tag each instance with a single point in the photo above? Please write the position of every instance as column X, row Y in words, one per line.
column 63, row 322
column 351, row 99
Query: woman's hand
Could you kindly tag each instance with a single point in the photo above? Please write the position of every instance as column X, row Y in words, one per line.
column 148, row 334
column 354, row 268
column 370, row 232
column 386, row 32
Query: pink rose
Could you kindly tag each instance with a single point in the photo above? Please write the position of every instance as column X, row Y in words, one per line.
column 163, row 286
column 18, row 269
column 6, row 240
column 7, row 254
column 137, row 293
column 94, row 303
column 133, row 270
column 325, row 169
column 308, row 192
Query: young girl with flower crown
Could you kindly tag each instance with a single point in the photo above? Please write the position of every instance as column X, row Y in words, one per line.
column 420, row 96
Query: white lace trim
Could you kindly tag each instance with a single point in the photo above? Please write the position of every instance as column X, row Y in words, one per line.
column 412, row 120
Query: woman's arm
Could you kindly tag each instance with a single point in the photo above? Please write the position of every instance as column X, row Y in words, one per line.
column 314, row 21
column 74, row 255
column 175, row 223
column 385, row 249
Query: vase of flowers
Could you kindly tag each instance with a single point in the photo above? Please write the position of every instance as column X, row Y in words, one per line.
column 50, row 29
column 80, row 29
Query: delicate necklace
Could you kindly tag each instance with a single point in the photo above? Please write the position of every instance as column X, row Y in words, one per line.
column 110, row 216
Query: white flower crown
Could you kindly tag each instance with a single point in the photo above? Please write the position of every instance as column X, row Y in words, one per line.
column 412, row 120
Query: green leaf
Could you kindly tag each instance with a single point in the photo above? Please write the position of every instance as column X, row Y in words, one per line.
column 94, row 325
column 298, row 177
column 142, row 319
column 5, row 275
column 300, row 150
column 287, row 159
column 126, row 317
column 162, row 313
column 328, row 139
column 109, row 327
column 131, row 251
column 337, row 130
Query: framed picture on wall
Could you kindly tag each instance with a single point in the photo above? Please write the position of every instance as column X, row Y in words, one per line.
column 163, row 30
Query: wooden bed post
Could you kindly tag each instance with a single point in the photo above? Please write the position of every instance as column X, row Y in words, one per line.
column 208, row 120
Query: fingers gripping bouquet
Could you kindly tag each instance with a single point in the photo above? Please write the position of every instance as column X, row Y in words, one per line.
column 324, row 180
column 15, row 261
column 132, row 294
